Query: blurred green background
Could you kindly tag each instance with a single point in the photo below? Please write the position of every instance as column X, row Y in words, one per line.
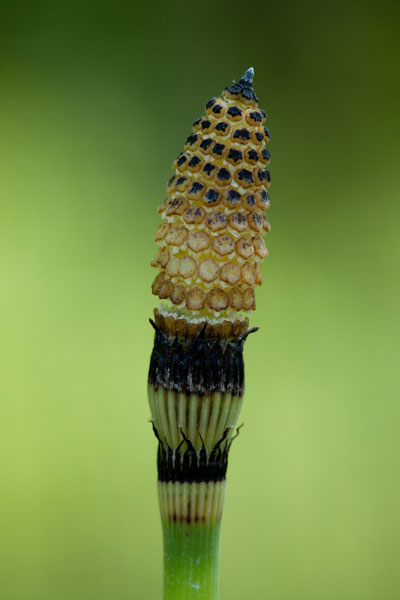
column 96, row 100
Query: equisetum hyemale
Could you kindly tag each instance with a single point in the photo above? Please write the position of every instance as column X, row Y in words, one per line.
column 210, row 248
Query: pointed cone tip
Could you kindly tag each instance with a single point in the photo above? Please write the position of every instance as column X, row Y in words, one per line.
column 244, row 87
column 248, row 76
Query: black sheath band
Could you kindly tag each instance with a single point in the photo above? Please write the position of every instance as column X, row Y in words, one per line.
column 200, row 366
column 191, row 466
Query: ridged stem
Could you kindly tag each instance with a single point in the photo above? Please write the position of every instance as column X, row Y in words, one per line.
column 191, row 561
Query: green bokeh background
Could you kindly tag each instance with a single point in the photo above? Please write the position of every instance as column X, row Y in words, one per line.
column 96, row 100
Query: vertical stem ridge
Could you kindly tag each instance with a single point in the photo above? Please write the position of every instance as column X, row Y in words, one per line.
column 191, row 561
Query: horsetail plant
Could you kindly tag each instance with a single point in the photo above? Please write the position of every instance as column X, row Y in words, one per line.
column 210, row 250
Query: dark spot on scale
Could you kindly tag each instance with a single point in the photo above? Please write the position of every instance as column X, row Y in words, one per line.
column 239, row 219
column 194, row 161
column 251, row 200
column 211, row 102
column 216, row 218
column 257, row 219
column 256, row 116
column 171, row 181
column 245, row 175
column 195, row 187
column 267, row 133
column 234, row 89
column 266, row 153
column 264, row 197
column 196, row 122
column 175, row 203
column 182, row 159
column 261, row 175
column 235, row 155
column 209, row 168
column 264, row 114
column 205, row 144
column 218, row 149
column 234, row 111
column 217, row 109
column 205, row 124
column 264, row 175
column 233, row 197
column 180, row 181
column 242, row 134
column 252, row 154
column 259, row 136
column 211, row 195
column 221, row 126
column 223, row 174
column 192, row 139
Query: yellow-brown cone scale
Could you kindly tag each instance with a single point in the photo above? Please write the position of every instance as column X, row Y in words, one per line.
column 211, row 239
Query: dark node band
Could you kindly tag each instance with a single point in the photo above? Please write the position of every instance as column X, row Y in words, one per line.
column 200, row 366
column 191, row 465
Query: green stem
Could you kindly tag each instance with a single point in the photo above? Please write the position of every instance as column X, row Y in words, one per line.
column 191, row 560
